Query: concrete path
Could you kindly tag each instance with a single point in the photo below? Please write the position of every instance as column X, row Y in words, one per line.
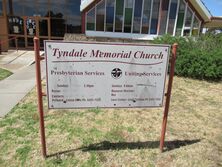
column 15, row 60
column 15, row 87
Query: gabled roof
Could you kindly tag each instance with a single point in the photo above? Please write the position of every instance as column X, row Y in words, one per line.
column 202, row 10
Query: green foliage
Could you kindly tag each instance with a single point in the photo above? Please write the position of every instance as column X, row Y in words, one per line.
column 92, row 161
column 199, row 58
column 22, row 153
column 95, row 110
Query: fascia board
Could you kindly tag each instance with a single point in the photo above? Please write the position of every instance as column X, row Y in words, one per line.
column 85, row 3
column 202, row 9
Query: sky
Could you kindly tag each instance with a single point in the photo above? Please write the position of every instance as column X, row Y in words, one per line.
column 215, row 6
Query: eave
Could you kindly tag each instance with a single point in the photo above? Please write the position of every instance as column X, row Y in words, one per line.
column 216, row 22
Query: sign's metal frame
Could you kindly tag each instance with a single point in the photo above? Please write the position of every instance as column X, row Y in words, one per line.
column 40, row 95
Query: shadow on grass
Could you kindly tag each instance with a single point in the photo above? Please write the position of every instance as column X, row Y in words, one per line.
column 106, row 145
column 169, row 145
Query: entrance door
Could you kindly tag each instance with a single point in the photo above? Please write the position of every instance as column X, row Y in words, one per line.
column 36, row 26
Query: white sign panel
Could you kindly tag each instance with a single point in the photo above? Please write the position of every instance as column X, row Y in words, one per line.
column 81, row 74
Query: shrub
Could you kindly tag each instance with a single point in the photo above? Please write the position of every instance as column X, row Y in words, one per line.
column 199, row 58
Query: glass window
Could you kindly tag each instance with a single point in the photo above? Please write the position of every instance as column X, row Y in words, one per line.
column 30, row 8
column 57, row 27
column 172, row 16
column 109, row 15
column 11, row 42
column 43, row 27
column 73, row 26
column 164, row 14
column 137, row 16
column 15, row 7
column 74, row 15
column 196, row 26
column 1, row 9
column 180, row 18
column 128, row 15
column 43, row 8
column 15, row 25
column 30, row 42
column 73, row 8
column 155, row 15
column 146, row 16
column 100, row 15
column 57, row 8
column 188, row 21
column 119, row 15
column 30, row 25
column 42, row 42
column 20, row 42
column 91, row 20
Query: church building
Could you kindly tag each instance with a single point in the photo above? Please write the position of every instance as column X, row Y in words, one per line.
column 21, row 20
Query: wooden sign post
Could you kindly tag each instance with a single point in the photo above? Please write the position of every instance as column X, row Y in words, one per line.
column 40, row 94
column 135, row 77
column 168, row 95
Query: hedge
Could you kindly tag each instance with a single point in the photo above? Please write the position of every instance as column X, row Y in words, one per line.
column 199, row 58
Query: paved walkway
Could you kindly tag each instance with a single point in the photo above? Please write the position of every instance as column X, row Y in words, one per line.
column 15, row 87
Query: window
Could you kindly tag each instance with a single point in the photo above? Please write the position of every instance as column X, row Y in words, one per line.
column 15, row 7
column 155, row 15
column 109, row 15
column 73, row 8
column 64, row 9
column 43, row 27
column 43, row 8
column 196, row 26
column 57, row 8
column 172, row 17
column 143, row 17
column 42, row 42
column 15, row 25
column 164, row 14
column 30, row 8
column 30, row 42
column 58, row 27
column 119, row 15
column 146, row 16
column 128, row 15
column 65, row 17
column 100, row 15
column 20, row 42
column 73, row 16
column 72, row 25
column 30, row 25
column 137, row 16
column 1, row 9
column 188, row 22
column 180, row 18
column 91, row 20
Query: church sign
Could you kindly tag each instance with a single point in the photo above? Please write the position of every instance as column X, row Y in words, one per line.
column 107, row 75
column 113, row 75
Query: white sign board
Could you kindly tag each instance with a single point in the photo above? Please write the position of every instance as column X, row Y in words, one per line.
column 82, row 74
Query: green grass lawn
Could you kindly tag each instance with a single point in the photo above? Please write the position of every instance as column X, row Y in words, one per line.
column 119, row 137
column 4, row 74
